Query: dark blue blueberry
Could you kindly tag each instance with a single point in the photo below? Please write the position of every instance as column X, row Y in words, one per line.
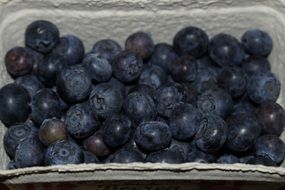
column 196, row 155
column 153, row 136
column 244, row 107
column 205, row 62
column 116, row 131
column 81, row 122
column 263, row 86
column 126, row 155
column 168, row 96
column 45, row 105
column 191, row 41
column 244, row 129
column 245, row 159
column 191, row 93
column 261, row 161
column 42, row 36
column 270, row 146
column 107, row 48
column 17, row 133
column 71, row 49
column 89, row 157
column 31, row 83
column 14, row 104
column 212, row 134
column 118, row 84
column 228, row 159
column 257, row 42
column 11, row 165
column 139, row 107
column 153, row 76
column 184, row 69
column 63, row 152
column 182, row 147
column 226, row 50
column 255, row 64
column 143, row 89
column 205, row 79
column 98, row 67
column 171, row 156
column 184, row 122
column 73, row 84
column 163, row 55
column 216, row 101
column 233, row 80
column 140, row 43
column 127, row 66
column 30, row 152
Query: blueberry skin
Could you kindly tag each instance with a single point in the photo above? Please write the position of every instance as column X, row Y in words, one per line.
column 89, row 157
column 14, row 104
column 263, row 86
column 184, row 69
column 45, row 105
column 225, row 50
column 127, row 66
column 255, row 64
column 257, row 42
column 31, row 83
column 73, row 84
column 98, row 68
column 233, row 80
column 116, row 131
column 270, row 146
column 261, row 161
column 63, row 152
column 195, row 155
column 143, row 89
column 170, row 156
column 243, row 133
column 30, row 152
column 42, row 36
column 205, row 78
column 126, row 155
column 153, row 76
column 246, row 159
column 244, row 107
column 212, row 134
column 17, row 133
column 139, row 107
column 168, row 96
column 227, row 159
column 182, row 147
column 163, row 55
column 191, row 93
column 80, row 121
column 11, row 165
column 106, row 100
column 140, row 43
column 107, row 48
column 71, row 49
column 153, row 136
column 215, row 101
column 191, row 41
column 184, row 122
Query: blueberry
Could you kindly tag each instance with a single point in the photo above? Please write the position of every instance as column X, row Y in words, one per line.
column 182, row 147
column 98, row 67
column 212, row 134
column 45, row 105
column 184, row 122
column 184, row 69
column 17, row 133
column 153, row 136
column 11, row 165
column 245, row 159
column 42, row 36
column 19, row 61
column 257, row 42
column 270, row 146
column 191, row 41
column 205, row 79
column 168, row 96
column 227, row 159
column 216, row 101
column 52, row 130
column 233, row 80
column 96, row 145
column 140, row 43
column 31, row 83
column 261, row 161
column 226, row 50
column 127, row 66
column 107, row 48
column 143, row 89
column 30, row 152
column 139, row 107
column 89, row 157
column 163, row 55
column 243, row 133
column 196, row 155
column 116, row 131
column 73, row 84
column 191, row 93
column 106, row 100
column 244, row 107
column 153, row 76
column 71, row 49
column 63, row 152
column 14, row 104
column 171, row 156
column 119, row 85
column 263, row 86
column 255, row 64
column 126, row 155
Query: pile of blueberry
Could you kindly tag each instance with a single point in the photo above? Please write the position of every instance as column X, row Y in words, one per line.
column 197, row 100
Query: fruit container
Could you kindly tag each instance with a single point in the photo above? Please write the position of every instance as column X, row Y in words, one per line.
column 95, row 19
